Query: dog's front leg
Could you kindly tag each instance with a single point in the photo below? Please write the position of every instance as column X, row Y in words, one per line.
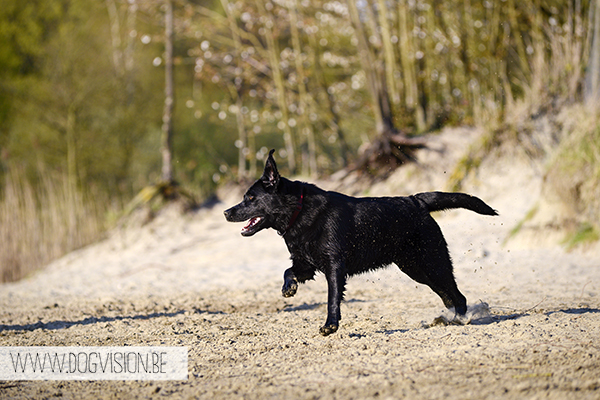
column 290, row 283
column 336, row 283
column 300, row 272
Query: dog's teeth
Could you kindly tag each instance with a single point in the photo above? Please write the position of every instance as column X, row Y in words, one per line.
column 251, row 224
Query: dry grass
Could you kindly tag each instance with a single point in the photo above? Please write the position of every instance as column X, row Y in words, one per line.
column 574, row 173
column 43, row 222
column 569, row 205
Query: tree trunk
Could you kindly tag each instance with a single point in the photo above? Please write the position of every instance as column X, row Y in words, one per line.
column 235, row 91
column 408, row 68
column 278, row 80
column 381, row 103
column 390, row 58
column 333, row 119
column 167, row 126
column 304, row 101
column 390, row 148
column 592, row 78
column 243, row 138
column 115, row 35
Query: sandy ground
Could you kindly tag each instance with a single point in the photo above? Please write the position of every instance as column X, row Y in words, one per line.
column 194, row 281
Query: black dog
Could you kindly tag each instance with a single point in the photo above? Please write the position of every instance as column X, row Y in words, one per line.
column 343, row 236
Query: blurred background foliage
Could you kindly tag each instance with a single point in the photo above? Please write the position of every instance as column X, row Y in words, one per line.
column 82, row 89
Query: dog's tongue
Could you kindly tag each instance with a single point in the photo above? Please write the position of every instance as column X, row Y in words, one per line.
column 251, row 223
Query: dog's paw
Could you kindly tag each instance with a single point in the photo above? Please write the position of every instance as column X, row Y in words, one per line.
column 328, row 329
column 289, row 288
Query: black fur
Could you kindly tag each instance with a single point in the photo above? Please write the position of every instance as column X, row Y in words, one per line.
column 342, row 236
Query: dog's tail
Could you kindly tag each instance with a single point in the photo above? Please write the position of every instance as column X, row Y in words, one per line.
column 440, row 201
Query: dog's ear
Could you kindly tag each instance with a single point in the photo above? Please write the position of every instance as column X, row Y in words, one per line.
column 270, row 176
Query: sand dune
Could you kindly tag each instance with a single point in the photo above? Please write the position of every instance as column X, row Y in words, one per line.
column 194, row 281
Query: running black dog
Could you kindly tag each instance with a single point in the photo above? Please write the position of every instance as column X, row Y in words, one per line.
column 343, row 236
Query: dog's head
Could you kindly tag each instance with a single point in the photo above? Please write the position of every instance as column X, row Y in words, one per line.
column 261, row 205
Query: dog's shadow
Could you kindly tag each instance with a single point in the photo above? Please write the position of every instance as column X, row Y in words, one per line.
column 576, row 311
column 314, row 306
column 492, row 319
column 303, row 307
column 63, row 324
column 500, row 318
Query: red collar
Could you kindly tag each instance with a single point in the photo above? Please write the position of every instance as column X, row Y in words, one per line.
column 295, row 214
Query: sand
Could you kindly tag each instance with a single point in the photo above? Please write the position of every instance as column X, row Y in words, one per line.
column 192, row 280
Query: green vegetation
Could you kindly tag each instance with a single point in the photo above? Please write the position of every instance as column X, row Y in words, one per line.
column 329, row 84
column 585, row 234
column 528, row 217
column 472, row 159
column 574, row 173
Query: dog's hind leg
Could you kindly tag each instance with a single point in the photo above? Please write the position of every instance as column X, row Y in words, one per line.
column 434, row 261
column 446, row 288
column 437, row 265
column 429, row 263
column 442, row 282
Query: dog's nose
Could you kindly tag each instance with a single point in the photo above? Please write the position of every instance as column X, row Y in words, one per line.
column 226, row 213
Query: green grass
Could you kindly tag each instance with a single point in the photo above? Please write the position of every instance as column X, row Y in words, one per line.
column 585, row 234
column 471, row 160
column 515, row 231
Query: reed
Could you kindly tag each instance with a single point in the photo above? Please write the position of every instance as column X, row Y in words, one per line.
column 44, row 218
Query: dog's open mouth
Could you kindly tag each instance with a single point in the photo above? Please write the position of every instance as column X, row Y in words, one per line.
column 250, row 228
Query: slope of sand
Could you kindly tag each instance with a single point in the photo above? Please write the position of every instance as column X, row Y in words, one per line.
column 194, row 281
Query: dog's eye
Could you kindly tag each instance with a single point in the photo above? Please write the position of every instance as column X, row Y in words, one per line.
column 250, row 198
